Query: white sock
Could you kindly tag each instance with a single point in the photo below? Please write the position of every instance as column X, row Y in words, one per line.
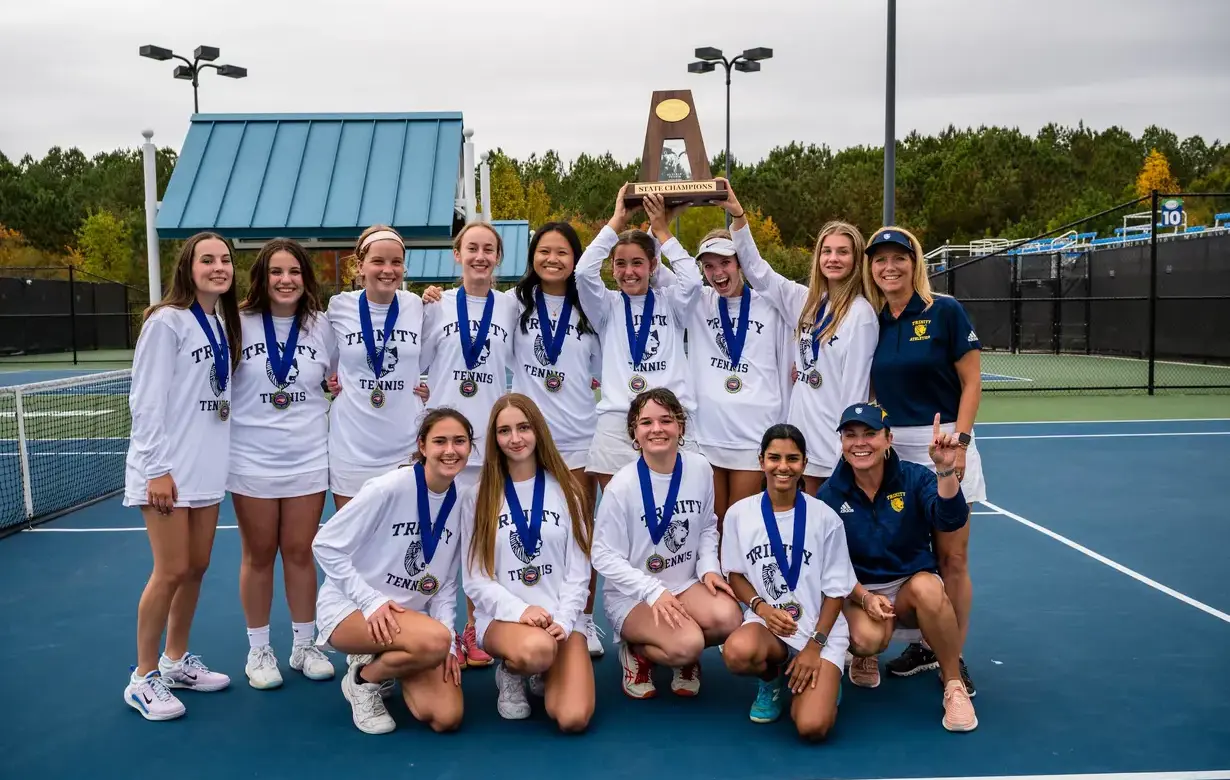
column 258, row 637
column 305, row 633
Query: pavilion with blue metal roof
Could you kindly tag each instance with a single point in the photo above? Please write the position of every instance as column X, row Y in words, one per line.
column 324, row 178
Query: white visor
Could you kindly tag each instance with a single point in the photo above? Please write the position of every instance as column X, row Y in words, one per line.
column 717, row 246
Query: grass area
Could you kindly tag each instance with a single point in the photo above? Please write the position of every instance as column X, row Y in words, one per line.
column 1030, row 373
column 1017, row 408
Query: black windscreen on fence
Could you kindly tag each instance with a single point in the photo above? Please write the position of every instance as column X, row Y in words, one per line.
column 41, row 316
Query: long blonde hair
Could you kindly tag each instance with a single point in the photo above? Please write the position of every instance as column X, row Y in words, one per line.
column 817, row 285
column 922, row 283
column 495, row 468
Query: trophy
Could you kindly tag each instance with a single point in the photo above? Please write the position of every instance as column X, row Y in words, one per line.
column 674, row 163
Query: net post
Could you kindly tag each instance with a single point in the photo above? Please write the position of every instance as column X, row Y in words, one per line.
column 1152, row 290
column 23, row 457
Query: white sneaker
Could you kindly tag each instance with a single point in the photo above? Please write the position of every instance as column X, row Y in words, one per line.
column 262, row 668
column 538, row 685
column 310, row 660
column 386, row 686
column 190, row 673
column 366, row 708
column 512, row 703
column 593, row 637
column 150, row 696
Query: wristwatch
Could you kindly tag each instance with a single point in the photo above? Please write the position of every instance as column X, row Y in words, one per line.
column 820, row 638
column 963, row 439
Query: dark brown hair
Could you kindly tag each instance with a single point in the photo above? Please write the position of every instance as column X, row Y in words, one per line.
column 258, row 290
column 429, row 422
column 638, row 238
column 183, row 293
column 664, row 398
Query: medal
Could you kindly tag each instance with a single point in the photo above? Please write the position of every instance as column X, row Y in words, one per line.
column 553, row 382
column 735, row 337
column 655, row 563
column 222, row 356
column 428, row 585
column 552, row 342
column 375, row 357
column 471, row 349
column 468, row 388
column 814, row 380
column 530, row 576
column 429, row 531
column 280, row 363
column 733, row 384
column 638, row 339
column 529, row 531
column 790, row 567
column 637, row 383
column 792, row 609
column 657, row 522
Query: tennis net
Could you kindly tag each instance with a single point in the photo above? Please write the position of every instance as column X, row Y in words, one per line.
column 62, row 445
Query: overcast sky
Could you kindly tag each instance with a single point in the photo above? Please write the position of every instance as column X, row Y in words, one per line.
column 531, row 75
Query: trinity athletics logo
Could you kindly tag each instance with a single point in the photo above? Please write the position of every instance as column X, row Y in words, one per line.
column 920, row 330
column 897, row 501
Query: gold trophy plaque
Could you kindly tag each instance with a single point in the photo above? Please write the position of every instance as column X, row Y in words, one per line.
column 674, row 162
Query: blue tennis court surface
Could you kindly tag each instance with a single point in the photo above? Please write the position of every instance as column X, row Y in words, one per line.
column 1098, row 644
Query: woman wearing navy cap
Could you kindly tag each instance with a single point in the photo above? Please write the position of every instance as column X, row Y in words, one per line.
column 928, row 359
column 890, row 507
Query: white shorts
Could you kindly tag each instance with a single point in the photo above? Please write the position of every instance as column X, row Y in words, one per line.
column 731, row 459
column 889, row 590
column 288, row 486
column 611, row 448
column 575, row 459
column 617, row 606
column 911, row 444
column 834, row 651
column 199, row 503
column 346, row 479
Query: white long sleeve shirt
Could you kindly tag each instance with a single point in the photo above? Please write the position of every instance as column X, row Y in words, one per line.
column 267, row 441
column 825, row 571
column 664, row 362
column 842, row 368
column 556, row 577
column 174, row 402
column 371, row 551
column 562, row 390
column 471, row 391
column 631, row 565
column 360, row 434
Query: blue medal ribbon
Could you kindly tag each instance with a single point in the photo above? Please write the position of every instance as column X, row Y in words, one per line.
column 790, row 568
column 658, row 524
column 735, row 338
column 638, row 339
column 369, row 339
column 221, row 350
column 280, row 363
column 430, row 531
column 552, row 342
column 472, row 348
column 823, row 318
column 529, row 530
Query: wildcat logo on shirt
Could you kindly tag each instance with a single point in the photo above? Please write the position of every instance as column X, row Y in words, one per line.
column 897, row 501
column 723, row 363
column 920, row 330
column 675, row 537
column 530, row 574
column 774, row 583
column 806, row 358
column 414, row 563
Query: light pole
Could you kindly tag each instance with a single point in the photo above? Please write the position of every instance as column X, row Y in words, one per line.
column 890, row 115
column 203, row 58
column 747, row 62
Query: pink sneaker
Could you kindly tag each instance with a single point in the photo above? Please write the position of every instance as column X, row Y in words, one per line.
column 958, row 709
column 149, row 696
column 188, row 672
column 474, row 654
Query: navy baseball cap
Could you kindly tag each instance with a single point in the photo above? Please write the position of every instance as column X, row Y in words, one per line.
column 891, row 237
column 871, row 415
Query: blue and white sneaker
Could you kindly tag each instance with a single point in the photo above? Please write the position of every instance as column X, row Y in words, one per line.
column 768, row 705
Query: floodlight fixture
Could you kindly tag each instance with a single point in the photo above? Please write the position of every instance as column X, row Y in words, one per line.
column 206, row 53
column 708, row 53
column 156, row 53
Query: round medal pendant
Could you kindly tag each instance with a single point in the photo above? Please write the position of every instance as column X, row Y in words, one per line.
column 224, row 410
column 280, row 400
column 792, row 609
column 429, row 585
column 469, row 388
column 637, row 383
column 655, row 563
column 814, row 380
column 733, row 384
column 553, row 382
column 377, row 398
column 530, row 575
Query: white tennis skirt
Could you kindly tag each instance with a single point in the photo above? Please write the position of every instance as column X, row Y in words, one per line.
column 911, row 444
column 611, row 448
column 287, row 486
column 731, row 459
column 346, row 479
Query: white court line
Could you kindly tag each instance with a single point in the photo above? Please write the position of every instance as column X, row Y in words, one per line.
column 1215, row 774
column 1114, row 565
column 100, row 530
column 1104, row 422
column 1102, row 435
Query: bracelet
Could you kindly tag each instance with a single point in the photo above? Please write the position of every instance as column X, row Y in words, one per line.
column 755, row 600
column 739, row 216
column 949, row 473
column 863, row 603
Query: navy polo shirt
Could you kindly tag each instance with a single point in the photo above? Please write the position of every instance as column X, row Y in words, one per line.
column 890, row 537
column 914, row 370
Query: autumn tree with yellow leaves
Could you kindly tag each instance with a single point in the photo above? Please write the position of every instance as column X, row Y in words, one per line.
column 1155, row 175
